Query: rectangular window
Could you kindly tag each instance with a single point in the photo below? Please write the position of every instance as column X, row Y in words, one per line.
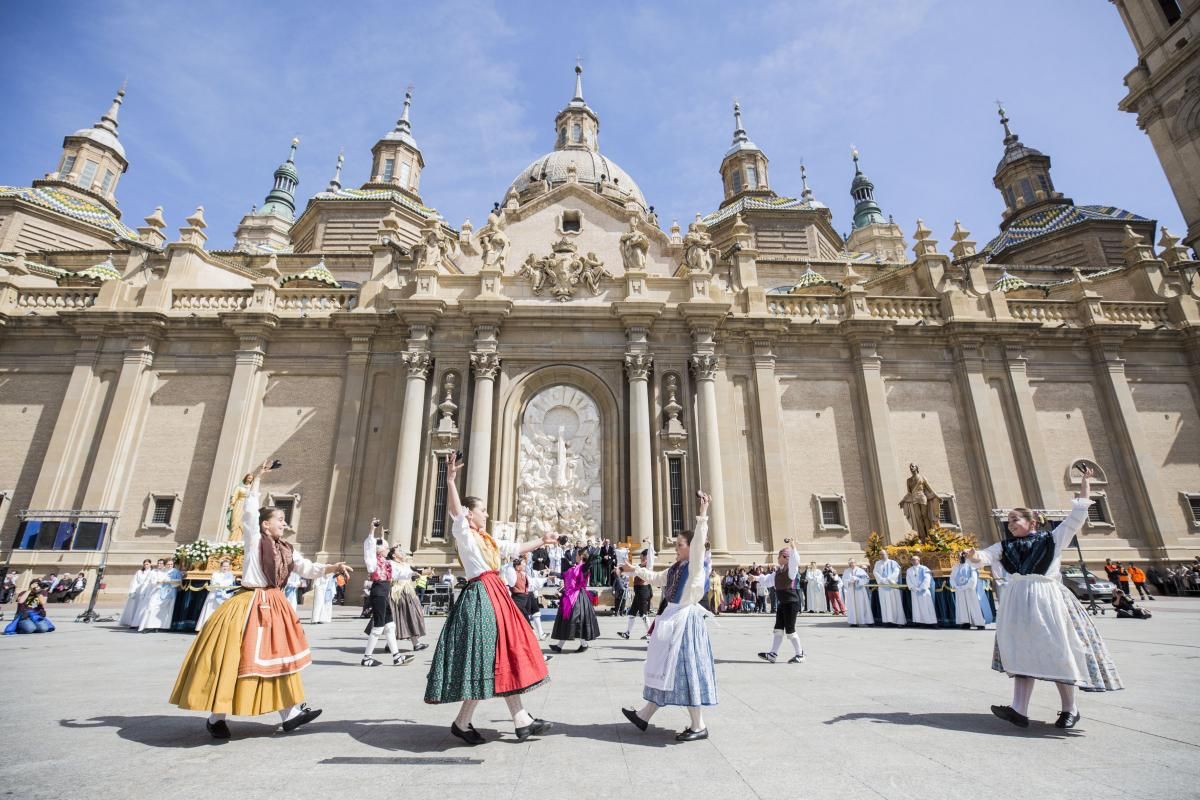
column 89, row 174
column 737, row 181
column 405, row 172
column 107, row 182
column 948, row 514
column 1194, row 507
column 438, row 529
column 287, row 505
column 89, row 536
column 1027, row 191
column 675, row 478
column 163, row 508
column 389, row 168
column 1009, row 197
column 1044, row 183
column 571, row 221
column 831, row 513
column 67, row 165
column 1098, row 510
column 1170, row 9
column 751, row 177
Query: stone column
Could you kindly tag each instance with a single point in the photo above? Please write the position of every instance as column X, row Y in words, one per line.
column 337, row 537
column 109, row 477
column 238, row 424
column 1143, row 482
column 641, row 488
column 770, row 433
column 486, row 365
column 68, row 446
column 986, row 433
column 883, row 483
column 1031, row 452
column 408, row 455
column 705, row 366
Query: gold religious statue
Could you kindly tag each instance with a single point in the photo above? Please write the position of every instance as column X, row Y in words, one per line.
column 922, row 505
column 233, row 514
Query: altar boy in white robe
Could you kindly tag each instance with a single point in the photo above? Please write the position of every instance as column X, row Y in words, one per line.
column 891, row 605
column 858, row 597
column 968, row 613
column 324, row 589
column 920, row 586
column 814, row 589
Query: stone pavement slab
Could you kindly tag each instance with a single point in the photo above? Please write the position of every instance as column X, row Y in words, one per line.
column 872, row 713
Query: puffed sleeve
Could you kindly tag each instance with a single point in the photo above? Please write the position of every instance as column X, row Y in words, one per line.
column 1070, row 526
column 305, row 568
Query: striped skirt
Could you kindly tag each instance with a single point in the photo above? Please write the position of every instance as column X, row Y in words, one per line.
column 486, row 648
column 695, row 670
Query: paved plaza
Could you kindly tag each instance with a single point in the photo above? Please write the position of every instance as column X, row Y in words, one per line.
column 871, row 714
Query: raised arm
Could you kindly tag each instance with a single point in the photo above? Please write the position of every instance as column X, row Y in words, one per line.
column 369, row 545
column 793, row 565
column 453, row 503
column 1074, row 522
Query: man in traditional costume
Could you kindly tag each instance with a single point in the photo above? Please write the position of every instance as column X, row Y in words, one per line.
column 486, row 649
column 375, row 550
column 643, row 593
column 964, row 579
column 787, row 605
column 891, row 604
column 248, row 658
column 1042, row 632
column 679, row 667
column 858, row 596
column 919, row 579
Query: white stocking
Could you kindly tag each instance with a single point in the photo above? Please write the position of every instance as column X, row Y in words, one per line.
column 287, row 713
column 1022, row 691
column 697, row 718
column 390, row 631
column 537, row 625
column 629, row 624
column 465, row 712
column 215, row 718
column 1066, row 693
column 647, row 711
column 520, row 716
column 372, row 640
column 794, row 638
column 776, row 641
column 562, row 643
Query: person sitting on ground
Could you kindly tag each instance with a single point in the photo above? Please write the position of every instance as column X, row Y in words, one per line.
column 31, row 613
column 1126, row 608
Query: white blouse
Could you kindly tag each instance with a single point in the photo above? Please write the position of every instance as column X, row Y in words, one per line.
column 1062, row 534
column 694, row 591
column 469, row 553
column 253, row 576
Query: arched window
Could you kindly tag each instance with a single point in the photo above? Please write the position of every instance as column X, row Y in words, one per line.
column 576, row 133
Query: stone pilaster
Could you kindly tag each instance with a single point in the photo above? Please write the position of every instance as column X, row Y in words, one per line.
column 408, row 454
column 985, row 431
column 704, row 367
column 1031, row 452
column 770, row 434
column 486, row 366
column 638, row 366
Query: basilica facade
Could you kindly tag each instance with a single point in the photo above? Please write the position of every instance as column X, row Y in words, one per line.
column 595, row 366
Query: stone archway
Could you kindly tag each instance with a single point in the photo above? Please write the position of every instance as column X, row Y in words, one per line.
column 558, row 395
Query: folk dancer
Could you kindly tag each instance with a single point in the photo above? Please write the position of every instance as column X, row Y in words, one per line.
column 919, row 579
column 643, row 593
column 524, row 584
column 787, row 606
column 248, row 658
column 1042, row 633
column 964, row 579
column 679, row 667
column 220, row 589
column 486, row 649
column 858, row 596
column 131, row 615
column 576, row 618
column 814, row 589
column 375, row 550
column 891, row 604
column 407, row 613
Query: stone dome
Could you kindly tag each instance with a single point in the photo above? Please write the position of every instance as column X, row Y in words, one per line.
column 591, row 168
column 102, row 137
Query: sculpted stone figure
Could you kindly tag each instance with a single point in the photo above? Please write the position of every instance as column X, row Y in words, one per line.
column 634, row 246
column 563, row 270
column 494, row 243
column 434, row 247
column 922, row 505
column 697, row 248
column 593, row 270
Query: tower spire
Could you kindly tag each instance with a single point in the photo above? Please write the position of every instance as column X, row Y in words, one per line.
column 335, row 183
column 806, row 193
column 739, row 132
column 108, row 121
column 281, row 200
column 866, row 210
column 578, row 98
column 1010, row 138
column 403, row 125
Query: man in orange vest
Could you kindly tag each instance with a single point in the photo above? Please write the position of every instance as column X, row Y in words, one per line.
column 1138, row 577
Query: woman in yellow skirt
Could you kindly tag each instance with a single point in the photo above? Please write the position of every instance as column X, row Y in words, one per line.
column 247, row 659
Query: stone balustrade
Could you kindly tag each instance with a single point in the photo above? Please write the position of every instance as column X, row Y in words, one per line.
column 314, row 301
column 905, row 309
column 214, row 300
column 807, row 308
column 56, row 298
column 1044, row 311
column 1148, row 315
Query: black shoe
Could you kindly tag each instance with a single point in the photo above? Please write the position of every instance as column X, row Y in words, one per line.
column 367, row 661
column 1010, row 714
column 767, row 657
column 402, row 659
column 582, row 646
column 556, row 648
column 796, row 659
column 535, row 728
column 305, row 716
column 1066, row 719
column 1149, row 597
column 633, row 717
column 623, row 634
column 419, row 647
column 218, row 729
column 689, row 735
column 646, row 637
column 470, row 735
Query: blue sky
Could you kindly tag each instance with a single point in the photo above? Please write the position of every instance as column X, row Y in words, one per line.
column 217, row 90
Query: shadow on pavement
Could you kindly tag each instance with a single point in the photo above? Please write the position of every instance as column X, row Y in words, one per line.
column 963, row 722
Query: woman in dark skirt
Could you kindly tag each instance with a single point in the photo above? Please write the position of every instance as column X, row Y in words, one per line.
column 576, row 617
column 486, row 648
